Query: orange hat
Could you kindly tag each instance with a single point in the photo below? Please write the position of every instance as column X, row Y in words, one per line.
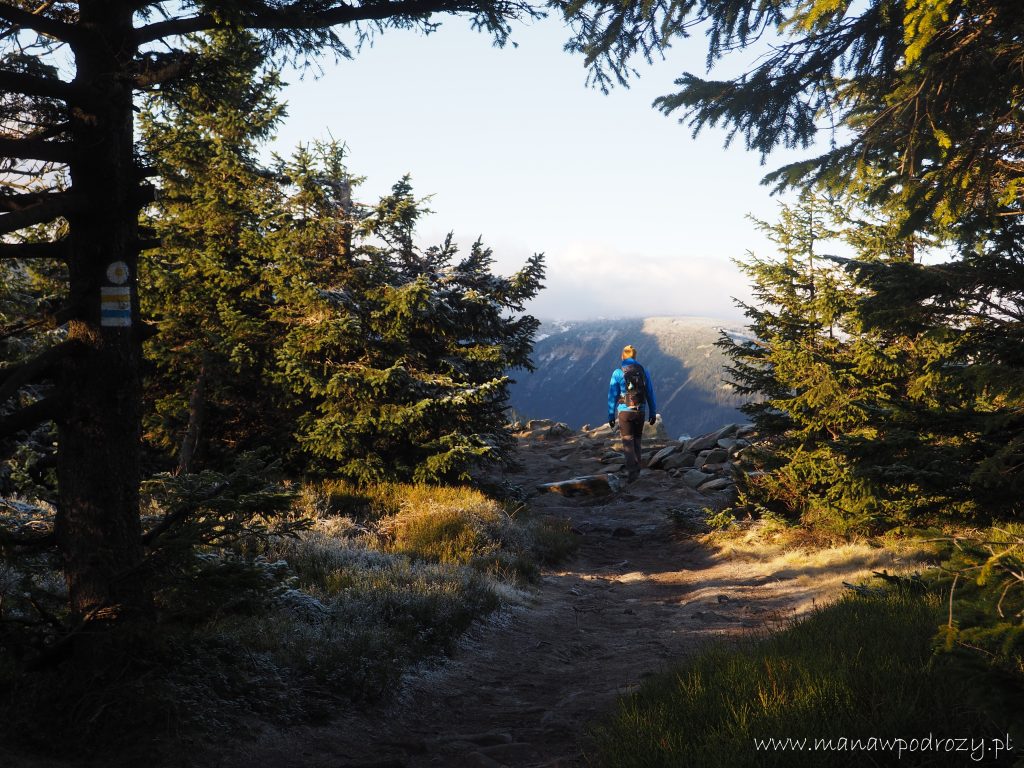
column 628, row 351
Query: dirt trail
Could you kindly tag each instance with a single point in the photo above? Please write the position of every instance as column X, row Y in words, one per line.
column 524, row 686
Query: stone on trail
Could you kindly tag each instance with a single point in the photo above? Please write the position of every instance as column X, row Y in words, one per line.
column 546, row 429
column 710, row 440
column 655, row 432
column 663, row 454
column 695, row 478
column 677, row 461
column 718, row 484
column 713, row 456
column 587, row 485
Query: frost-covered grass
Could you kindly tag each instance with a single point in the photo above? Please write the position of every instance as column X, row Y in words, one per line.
column 293, row 628
column 445, row 525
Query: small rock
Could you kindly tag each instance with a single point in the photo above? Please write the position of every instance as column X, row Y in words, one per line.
column 718, row 484
column 623, row 532
column 588, row 485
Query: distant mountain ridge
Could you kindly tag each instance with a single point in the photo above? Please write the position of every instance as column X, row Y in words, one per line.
column 575, row 361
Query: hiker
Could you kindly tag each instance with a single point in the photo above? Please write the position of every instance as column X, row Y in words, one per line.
column 629, row 392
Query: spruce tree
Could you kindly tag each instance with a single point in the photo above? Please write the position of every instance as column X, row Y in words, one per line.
column 206, row 289
column 408, row 377
column 851, row 420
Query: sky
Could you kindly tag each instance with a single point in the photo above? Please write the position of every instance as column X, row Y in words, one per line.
column 635, row 216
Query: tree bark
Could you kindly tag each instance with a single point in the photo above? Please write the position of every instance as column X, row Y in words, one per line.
column 97, row 528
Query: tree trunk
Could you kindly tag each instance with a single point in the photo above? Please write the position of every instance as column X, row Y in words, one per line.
column 196, row 410
column 98, row 466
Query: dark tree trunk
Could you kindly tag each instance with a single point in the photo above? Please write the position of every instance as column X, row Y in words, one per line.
column 196, row 410
column 98, row 528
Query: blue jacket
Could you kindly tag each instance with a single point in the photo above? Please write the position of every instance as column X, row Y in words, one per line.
column 617, row 388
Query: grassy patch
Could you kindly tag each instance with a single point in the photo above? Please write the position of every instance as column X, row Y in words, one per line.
column 863, row 667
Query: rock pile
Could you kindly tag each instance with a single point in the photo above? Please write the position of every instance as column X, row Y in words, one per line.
column 707, row 462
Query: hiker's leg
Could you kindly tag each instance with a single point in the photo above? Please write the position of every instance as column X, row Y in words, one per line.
column 626, row 432
column 631, row 427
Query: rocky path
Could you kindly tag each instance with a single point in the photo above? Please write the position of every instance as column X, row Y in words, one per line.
column 523, row 688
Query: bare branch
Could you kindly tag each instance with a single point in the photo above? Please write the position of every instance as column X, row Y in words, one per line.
column 47, row 207
column 14, row 377
column 36, row 541
column 30, row 416
column 57, row 319
column 42, row 24
column 168, row 68
column 34, row 149
column 148, row 243
column 33, row 85
column 55, row 250
column 295, row 16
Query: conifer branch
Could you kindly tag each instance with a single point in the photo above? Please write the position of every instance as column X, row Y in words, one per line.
column 178, row 514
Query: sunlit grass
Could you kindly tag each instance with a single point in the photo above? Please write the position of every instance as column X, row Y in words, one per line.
column 861, row 668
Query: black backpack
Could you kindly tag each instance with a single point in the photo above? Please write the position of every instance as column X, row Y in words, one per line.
column 636, row 385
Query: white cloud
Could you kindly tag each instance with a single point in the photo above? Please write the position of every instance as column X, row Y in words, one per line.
column 587, row 281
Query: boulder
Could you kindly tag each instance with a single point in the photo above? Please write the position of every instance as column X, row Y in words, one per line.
column 725, row 468
column 718, row 484
column 710, row 440
column 677, row 461
column 655, row 432
column 714, row 456
column 695, row 478
column 546, row 429
column 732, row 444
column 588, row 485
column 663, row 454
